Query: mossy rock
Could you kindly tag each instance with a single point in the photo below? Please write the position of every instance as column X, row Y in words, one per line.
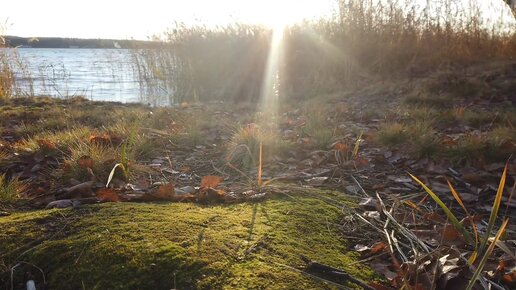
column 179, row 245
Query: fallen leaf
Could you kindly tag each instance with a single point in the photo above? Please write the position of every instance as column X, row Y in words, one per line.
column 209, row 195
column 510, row 278
column 100, row 140
column 211, row 181
column 46, row 145
column 360, row 162
column 377, row 247
column 342, row 147
column 165, row 191
column 107, row 195
column 85, row 162
column 450, row 233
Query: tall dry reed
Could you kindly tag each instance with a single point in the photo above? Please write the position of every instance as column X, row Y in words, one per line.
column 366, row 38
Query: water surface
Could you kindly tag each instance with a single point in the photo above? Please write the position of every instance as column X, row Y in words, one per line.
column 98, row 74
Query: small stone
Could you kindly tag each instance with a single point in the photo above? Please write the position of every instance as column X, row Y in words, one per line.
column 188, row 189
column 63, row 203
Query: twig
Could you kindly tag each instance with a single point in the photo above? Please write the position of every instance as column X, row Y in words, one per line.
column 369, row 223
column 403, row 230
column 366, row 259
column 358, row 184
column 391, row 249
column 311, row 275
column 218, row 170
column 325, row 269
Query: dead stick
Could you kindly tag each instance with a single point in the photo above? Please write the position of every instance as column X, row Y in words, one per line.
column 359, row 186
column 318, row 267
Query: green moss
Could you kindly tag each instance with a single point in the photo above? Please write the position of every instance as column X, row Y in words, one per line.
column 167, row 245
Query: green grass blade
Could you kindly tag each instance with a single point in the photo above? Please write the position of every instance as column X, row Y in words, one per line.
column 494, row 211
column 484, row 259
column 357, row 145
column 447, row 211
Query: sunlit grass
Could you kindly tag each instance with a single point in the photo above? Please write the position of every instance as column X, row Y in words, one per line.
column 11, row 189
column 244, row 146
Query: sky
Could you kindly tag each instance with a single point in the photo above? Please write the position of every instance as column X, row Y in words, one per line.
column 138, row 19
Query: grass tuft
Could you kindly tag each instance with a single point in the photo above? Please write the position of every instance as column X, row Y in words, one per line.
column 11, row 189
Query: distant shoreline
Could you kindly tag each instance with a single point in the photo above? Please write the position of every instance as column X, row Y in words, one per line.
column 58, row 42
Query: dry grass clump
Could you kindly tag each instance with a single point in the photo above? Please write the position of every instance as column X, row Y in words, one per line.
column 11, row 65
column 317, row 125
column 366, row 38
column 11, row 189
column 7, row 80
column 393, row 134
column 243, row 148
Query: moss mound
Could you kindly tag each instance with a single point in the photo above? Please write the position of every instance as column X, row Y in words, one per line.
column 177, row 245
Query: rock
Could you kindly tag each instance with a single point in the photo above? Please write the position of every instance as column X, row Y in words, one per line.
column 80, row 190
column 62, row 203
column 188, row 189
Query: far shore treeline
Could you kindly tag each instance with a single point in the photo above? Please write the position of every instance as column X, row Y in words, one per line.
column 58, row 42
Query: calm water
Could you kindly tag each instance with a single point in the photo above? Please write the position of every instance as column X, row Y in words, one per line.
column 98, row 74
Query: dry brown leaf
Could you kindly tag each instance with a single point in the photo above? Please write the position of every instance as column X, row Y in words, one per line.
column 211, row 181
column 450, row 233
column 46, row 145
column 85, row 162
column 100, row 140
column 510, row 278
column 209, row 195
column 165, row 191
column 377, row 247
column 360, row 162
column 107, row 195
column 342, row 147
column 449, row 141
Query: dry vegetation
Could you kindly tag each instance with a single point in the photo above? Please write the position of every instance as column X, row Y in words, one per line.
column 375, row 93
column 363, row 43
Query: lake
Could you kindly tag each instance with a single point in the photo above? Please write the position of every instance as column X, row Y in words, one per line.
column 97, row 74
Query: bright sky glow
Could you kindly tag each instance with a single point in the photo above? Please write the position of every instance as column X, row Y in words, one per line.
column 139, row 19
